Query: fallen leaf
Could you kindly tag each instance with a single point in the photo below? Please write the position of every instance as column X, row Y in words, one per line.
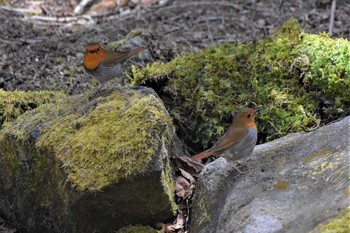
column 182, row 187
column 179, row 222
column 191, row 166
column 187, row 176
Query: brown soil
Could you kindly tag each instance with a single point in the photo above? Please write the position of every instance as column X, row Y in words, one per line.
column 38, row 55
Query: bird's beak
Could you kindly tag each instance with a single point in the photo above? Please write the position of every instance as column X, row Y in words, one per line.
column 257, row 110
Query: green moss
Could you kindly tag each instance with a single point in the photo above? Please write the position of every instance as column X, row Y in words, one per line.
column 325, row 67
column 201, row 89
column 98, row 145
column 15, row 103
column 169, row 185
column 137, row 229
column 339, row 224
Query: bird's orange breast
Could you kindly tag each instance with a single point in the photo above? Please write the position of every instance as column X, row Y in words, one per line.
column 92, row 60
column 252, row 125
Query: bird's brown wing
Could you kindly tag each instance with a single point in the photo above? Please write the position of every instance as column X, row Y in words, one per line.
column 120, row 57
column 115, row 57
column 233, row 136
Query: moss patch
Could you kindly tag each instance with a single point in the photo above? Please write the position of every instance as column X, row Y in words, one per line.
column 283, row 75
column 169, row 185
column 339, row 224
column 325, row 67
column 98, row 144
column 15, row 103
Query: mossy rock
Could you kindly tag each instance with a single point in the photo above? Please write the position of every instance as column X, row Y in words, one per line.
column 90, row 164
column 339, row 224
column 296, row 79
column 15, row 103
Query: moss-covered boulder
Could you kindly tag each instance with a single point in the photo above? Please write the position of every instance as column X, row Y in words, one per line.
column 15, row 103
column 80, row 165
column 298, row 79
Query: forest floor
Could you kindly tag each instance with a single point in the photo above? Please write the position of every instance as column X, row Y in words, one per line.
column 42, row 42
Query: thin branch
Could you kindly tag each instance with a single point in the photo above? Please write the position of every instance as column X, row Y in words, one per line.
column 62, row 20
column 210, row 35
column 23, row 11
column 81, row 6
column 331, row 18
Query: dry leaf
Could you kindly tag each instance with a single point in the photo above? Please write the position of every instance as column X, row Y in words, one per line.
column 180, row 221
column 191, row 166
column 187, row 176
column 183, row 187
column 103, row 7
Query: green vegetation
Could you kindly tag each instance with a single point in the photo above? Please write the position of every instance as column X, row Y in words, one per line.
column 339, row 224
column 15, row 103
column 295, row 77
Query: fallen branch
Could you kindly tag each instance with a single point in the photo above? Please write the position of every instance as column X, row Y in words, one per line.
column 84, row 19
column 331, row 18
column 81, row 6
column 22, row 11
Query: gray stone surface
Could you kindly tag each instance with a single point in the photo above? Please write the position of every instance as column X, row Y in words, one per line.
column 290, row 185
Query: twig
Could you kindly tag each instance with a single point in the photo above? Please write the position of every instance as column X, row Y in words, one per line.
column 210, row 36
column 23, row 11
column 81, row 6
column 318, row 123
column 62, row 20
column 331, row 18
column 198, row 4
column 279, row 132
column 21, row 41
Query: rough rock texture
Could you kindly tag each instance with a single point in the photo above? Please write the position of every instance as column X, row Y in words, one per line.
column 83, row 164
column 291, row 185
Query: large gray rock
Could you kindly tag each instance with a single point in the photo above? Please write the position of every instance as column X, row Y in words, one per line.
column 292, row 184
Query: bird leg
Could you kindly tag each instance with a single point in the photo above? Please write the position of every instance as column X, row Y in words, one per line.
column 236, row 163
column 97, row 90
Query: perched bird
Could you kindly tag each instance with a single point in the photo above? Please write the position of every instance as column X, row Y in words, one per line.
column 105, row 65
column 239, row 140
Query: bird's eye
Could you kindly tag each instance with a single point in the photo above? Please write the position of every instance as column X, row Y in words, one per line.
column 248, row 115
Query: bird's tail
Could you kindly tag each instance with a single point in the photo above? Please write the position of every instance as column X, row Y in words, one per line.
column 200, row 156
column 135, row 51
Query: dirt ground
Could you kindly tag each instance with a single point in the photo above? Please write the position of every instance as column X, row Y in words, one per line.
column 44, row 53
column 41, row 47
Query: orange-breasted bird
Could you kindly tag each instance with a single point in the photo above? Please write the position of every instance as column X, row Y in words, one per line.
column 239, row 140
column 105, row 65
